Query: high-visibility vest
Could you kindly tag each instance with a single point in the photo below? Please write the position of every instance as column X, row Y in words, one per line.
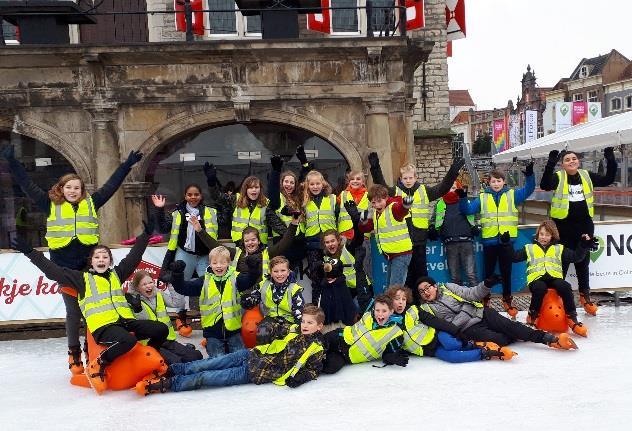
column 540, row 262
column 103, row 302
column 496, row 220
column 225, row 305
column 280, row 345
column 448, row 292
column 440, row 215
column 63, row 224
column 282, row 309
column 265, row 260
column 391, row 235
column 286, row 219
column 344, row 219
column 159, row 314
column 243, row 217
column 420, row 211
column 320, row 219
column 559, row 201
column 416, row 334
column 210, row 224
column 348, row 270
column 366, row 343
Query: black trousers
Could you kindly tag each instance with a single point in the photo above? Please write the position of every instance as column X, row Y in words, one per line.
column 119, row 341
column 497, row 253
column 570, row 235
column 501, row 330
column 417, row 267
column 337, row 352
column 175, row 353
column 314, row 268
column 73, row 320
column 539, row 287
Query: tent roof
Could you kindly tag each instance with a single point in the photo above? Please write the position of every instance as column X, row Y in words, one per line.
column 606, row 132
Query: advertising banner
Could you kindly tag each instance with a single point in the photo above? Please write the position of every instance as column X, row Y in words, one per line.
column 580, row 113
column 594, row 111
column 500, row 135
column 530, row 126
column 514, row 130
column 563, row 115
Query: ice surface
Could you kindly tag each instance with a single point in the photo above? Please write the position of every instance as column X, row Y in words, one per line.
column 541, row 389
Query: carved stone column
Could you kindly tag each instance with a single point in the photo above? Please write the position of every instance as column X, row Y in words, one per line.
column 136, row 194
column 378, row 137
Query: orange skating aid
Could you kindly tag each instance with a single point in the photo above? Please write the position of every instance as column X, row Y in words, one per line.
column 552, row 317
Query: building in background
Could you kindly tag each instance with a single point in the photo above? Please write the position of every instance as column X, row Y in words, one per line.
column 460, row 101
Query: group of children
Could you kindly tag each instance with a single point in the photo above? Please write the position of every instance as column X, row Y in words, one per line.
column 299, row 219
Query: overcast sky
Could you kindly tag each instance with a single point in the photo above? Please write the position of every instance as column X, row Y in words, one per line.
column 503, row 36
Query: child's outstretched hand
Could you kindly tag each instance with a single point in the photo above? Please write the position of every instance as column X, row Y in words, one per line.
column 195, row 222
column 158, row 200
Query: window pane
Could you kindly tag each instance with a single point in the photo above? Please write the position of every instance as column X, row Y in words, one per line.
column 628, row 102
column 222, row 22
column 344, row 20
column 383, row 19
column 253, row 24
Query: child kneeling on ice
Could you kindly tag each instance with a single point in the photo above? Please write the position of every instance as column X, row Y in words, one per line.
column 148, row 303
column 376, row 335
column 427, row 335
column 291, row 361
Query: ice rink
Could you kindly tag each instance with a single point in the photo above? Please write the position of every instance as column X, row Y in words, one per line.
column 541, row 389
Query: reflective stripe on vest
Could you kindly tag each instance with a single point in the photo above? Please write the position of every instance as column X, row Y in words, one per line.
column 64, row 224
column 282, row 309
column 559, row 200
column 368, row 344
column 210, row 225
column 391, row 235
column 159, row 314
column 416, row 334
column 243, row 217
column 225, row 305
column 348, row 271
column 286, row 219
column 265, row 260
column 420, row 211
column 496, row 220
column 440, row 215
column 344, row 219
column 448, row 292
column 320, row 219
column 104, row 301
column 540, row 262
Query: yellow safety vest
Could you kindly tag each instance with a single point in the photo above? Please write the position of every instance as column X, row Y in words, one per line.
column 282, row 309
column 391, row 235
column 278, row 346
column 496, row 220
column 366, row 343
column 320, row 219
column 420, row 211
column 104, row 301
column 225, row 305
column 286, row 219
column 559, row 201
column 63, row 224
column 210, row 224
column 416, row 334
column 243, row 217
column 344, row 219
column 265, row 260
column 159, row 314
column 540, row 262
column 348, row 270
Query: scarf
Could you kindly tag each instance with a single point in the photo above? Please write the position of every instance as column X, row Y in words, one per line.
column 189, row 244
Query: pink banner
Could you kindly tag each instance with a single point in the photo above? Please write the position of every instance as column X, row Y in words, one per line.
column 500, row 135
column 580, row 112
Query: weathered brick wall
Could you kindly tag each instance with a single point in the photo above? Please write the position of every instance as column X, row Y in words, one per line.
column 433, row 157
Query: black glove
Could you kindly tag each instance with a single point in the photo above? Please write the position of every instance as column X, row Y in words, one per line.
column 395, row 358
column 492, row 280
column 554, row 156
column 433, row 235
column 461, row 193
column 374, row 160
column 134, row 302
column 286, row 211
column 476, row 230
column 352, row 210
column 591, row 244
column 456, row 166
column 165, row 276
column 8, row 152
column 277, row 162
column 291, row 382
column 248, row 301
column 253, row 263
column 177, row 266
column 408, row 201
column 505, row 238
column 148, row 226
column 21, row 245
column 300, row 154
column 608, row 153
column 133, row 157
column 210, row 171
column 529, row 170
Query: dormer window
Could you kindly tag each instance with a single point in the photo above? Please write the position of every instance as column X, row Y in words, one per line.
column 583, row 72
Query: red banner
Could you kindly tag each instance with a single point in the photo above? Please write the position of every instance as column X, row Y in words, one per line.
column 414, row 14
column 580, row 112
column 320, row 22
column 198, row 16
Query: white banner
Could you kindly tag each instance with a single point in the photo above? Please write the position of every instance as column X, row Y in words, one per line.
column 594, row 111
column 514, row 131
column 530, row 126
column 563, row 115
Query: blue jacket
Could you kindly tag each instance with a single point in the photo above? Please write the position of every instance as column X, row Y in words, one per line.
column 474, row 206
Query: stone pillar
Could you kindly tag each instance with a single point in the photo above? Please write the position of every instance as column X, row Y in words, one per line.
column 106, row 155
column 378, row 136
column 399, row 134
column 136, row 194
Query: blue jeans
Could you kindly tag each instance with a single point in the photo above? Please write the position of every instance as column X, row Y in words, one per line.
column 215, row 346
column 451, row 349
column 193, row 262
column 398, row 269
column 227, row 370
column 460, row 256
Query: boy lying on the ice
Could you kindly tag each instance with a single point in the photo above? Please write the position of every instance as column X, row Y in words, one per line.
column 291, row 361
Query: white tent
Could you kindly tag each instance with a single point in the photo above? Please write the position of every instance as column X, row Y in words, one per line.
column 606, row 132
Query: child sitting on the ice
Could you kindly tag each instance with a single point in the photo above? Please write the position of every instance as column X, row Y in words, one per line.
column 376, row 335
column 280, row 300
column 545, row 257
column 220, row 295
column 291, row 361
column 427, row 335
column 148, row 303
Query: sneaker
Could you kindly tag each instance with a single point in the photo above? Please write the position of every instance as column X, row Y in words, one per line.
column 490, row 350
column 564, row 341
column 510, row 309
column 74, row 361
column 155, row 239
column 589, row 306
column 158, row 385
column 577, row 326
column 96, row 375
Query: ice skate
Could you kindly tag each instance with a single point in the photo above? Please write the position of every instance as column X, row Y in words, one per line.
column 589, row 306
column 490, row 350
column 75, row 364
column 182, row 325
column 577, row 326
column 96, row 375
column 509, row 308
column 153, row 386
column 564, row 341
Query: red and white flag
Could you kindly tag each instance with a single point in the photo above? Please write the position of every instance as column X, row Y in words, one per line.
column 455, row 19
column 198, row 16
column 320, row 22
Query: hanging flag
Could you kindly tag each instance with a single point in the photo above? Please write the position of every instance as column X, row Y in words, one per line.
column 455, row 19
column 580, row 113
column 449, row 48
column 500, row 135
column 198, row 16
column 530, row 126
column 320, row 22
column 414, row 14
column 594, row 111
column 514, row 130
column 563, row 115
